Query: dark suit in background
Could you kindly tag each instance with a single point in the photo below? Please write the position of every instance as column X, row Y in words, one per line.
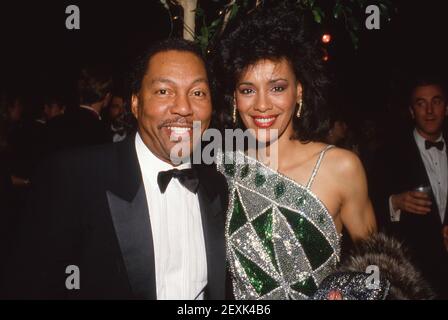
column 78, row 128
column 401, row 169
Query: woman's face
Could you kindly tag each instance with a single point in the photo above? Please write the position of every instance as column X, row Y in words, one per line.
column 266, row 97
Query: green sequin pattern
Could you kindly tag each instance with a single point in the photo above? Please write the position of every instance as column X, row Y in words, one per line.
column 281, row 240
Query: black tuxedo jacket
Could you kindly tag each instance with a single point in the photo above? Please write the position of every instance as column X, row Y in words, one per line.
column 89, row 209
column 403, row 170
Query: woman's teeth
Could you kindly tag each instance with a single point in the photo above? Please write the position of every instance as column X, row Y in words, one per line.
column 265, row 120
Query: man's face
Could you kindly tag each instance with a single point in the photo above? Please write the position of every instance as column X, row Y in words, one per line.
column 174, row 93
column 52, row 110
column 116, row 107
column 16, row 110
column 340, row 129
column 429, row 110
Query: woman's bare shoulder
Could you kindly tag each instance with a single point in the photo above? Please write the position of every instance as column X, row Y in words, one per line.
column 343, row 163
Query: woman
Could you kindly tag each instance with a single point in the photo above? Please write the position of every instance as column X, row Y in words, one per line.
column 284, row 225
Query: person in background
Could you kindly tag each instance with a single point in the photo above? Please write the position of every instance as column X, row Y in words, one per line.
column 119, row 121
column 414, row 184
column 54, row 106
column 83, row 126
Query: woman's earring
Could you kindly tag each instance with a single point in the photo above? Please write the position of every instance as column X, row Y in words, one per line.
column 299, row 112
column 234, row 113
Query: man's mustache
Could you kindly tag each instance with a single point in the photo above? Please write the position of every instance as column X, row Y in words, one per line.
column 178, row 121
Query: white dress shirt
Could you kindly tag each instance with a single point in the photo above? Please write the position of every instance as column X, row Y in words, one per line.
column 436, row 166
column 179, row 247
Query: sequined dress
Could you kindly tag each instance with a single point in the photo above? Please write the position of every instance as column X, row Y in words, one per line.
column 281, row 240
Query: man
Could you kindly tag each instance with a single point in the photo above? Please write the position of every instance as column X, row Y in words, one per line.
column 54, row 107
column 135, row 228
column 119, row 122
column 83, row 126
column 416, row 182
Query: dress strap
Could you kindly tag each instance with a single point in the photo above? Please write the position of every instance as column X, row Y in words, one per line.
column 317, row 166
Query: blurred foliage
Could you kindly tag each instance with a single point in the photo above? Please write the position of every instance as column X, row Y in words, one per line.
column 210, row 24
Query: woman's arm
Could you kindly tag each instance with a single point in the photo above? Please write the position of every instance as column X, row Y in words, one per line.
column 356, row 211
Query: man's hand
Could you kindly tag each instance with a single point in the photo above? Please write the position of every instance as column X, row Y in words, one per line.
column 445, row 236
column 412, row 201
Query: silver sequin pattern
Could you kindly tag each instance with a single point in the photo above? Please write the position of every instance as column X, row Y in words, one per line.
column 255, row 200
column 352, row 286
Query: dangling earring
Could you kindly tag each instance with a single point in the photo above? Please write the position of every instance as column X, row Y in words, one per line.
column 234, row 113
column 299, row 112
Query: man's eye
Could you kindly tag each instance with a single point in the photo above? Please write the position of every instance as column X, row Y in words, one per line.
column 421, row 104
column 278, row 89
column 438, row 102
column 199, row 93
column 162, row 91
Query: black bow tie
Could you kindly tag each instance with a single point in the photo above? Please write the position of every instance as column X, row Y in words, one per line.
column 187, row 177
column 430, row 144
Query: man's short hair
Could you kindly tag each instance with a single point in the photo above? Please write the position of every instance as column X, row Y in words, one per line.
column 94, row 84
column 427, row 80
column 177, row 44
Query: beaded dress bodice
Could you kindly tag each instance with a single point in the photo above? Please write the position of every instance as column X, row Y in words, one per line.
column 281, row 240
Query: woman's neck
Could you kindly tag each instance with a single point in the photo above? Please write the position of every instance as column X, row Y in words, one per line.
column 276, row 153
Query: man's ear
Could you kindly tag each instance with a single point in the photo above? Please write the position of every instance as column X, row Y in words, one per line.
column 299, row 92
column 134, row 105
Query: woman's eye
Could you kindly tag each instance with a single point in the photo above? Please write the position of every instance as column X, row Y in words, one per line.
column 278, row 89
column 246, row 91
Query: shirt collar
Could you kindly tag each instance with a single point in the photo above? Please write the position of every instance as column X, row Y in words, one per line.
column 90, row 109
column 150, row 164
column 421, row 141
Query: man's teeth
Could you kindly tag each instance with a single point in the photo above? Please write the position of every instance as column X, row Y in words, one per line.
column 179, row 130
column 264, row 120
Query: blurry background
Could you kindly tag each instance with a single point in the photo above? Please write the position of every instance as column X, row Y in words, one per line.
column 38, row 52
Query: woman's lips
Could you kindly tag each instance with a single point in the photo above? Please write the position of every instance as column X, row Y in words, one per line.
column 264, row 122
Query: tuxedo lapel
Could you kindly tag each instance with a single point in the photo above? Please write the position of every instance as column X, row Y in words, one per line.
column 418, row 166
column 424, row 179
column 130, row 216
column 133, row 230
column 213, row 228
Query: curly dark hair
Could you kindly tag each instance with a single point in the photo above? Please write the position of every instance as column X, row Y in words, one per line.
column 275, row 34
